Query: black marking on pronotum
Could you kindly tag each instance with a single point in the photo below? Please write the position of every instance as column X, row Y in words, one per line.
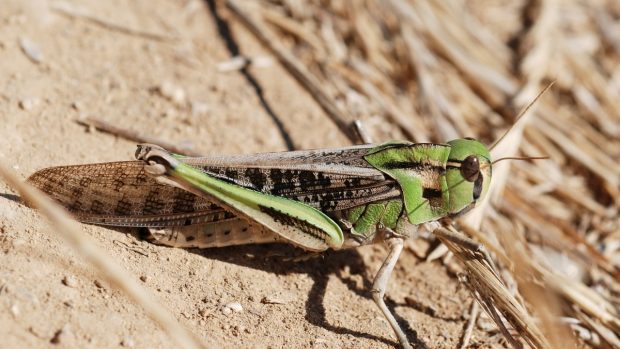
column 434, row 197
column 431, row 193
column 288, row 220
column 411, row 165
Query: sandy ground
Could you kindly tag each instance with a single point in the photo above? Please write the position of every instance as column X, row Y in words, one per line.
column 50, row 297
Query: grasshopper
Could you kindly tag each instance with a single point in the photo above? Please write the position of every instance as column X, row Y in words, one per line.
column 313, row 199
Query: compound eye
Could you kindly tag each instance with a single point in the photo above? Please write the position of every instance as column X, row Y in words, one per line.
column 470, row 168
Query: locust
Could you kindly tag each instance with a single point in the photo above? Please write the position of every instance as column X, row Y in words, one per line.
column 313, row 199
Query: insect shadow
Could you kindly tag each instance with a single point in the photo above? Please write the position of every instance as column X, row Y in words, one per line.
column 12, row 197
column 284, row 259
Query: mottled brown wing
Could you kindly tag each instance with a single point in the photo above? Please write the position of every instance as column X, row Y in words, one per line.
column 121, row 194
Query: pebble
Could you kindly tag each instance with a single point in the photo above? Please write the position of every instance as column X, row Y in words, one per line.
column 233, row 64
column 319, row 341
column 263, row 62
column 31, row 49
column 169, row 113
column 233, row 307
column 199, row 108
column 98, row 284
column 18, row 242
column 172, row 92
column 239, row 329
column 29, row 104
column 69, row 281
column 62, row 335
column 77, row 106
column 274, row 300
column 143, row 278
column 15, row 310
column 128, row 342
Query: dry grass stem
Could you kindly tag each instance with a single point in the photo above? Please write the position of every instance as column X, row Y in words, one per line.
column 133, row 136
column 71, row 11
column 69, row 229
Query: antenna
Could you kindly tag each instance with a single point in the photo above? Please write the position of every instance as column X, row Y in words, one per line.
column 525, row 110
column 521, row 158
column 515, row 158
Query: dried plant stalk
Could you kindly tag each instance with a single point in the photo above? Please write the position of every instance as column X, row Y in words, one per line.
column 70, row 231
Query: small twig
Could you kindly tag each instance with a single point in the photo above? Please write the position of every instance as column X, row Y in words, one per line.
column 133, row 136
column 70, row 231
column 296, row 69
column 293, row 27
column 70, row 11
column 362, row 132
column 473, row 316
column 493, row 295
